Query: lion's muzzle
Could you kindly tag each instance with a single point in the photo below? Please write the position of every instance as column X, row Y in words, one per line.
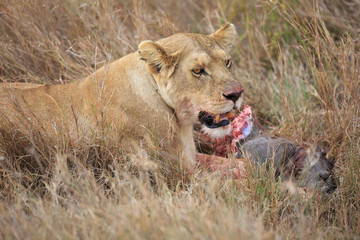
column 234, row 95
column 216, row 121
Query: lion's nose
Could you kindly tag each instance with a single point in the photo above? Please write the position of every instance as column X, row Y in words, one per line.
column 234, row 96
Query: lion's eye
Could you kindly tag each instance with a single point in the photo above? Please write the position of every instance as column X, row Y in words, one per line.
column 228, row 63
column 197, row 72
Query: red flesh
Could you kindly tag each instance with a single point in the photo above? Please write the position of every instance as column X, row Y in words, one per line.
column 239, row 123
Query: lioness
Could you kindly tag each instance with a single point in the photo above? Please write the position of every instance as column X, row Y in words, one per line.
column 157, row 92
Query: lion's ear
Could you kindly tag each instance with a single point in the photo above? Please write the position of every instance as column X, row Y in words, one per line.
column 155, row 56
column 225, row 36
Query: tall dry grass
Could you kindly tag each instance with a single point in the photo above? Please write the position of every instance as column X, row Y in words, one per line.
column 299, row 64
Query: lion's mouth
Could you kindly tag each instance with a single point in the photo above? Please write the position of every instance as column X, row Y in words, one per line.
column 216, row 120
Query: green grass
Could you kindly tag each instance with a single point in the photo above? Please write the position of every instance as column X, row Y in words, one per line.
column 299, row 64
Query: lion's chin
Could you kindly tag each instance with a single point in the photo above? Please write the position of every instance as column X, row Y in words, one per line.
column 216, row 133
column 216, row 125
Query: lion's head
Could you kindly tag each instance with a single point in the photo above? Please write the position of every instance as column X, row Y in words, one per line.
column 195, row 76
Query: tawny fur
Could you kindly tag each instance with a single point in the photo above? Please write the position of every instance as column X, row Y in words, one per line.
column 149, row 94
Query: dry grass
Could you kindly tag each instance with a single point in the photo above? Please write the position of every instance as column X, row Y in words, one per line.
column 299, row 63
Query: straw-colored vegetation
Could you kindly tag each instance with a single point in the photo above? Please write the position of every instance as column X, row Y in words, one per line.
column 299, row 64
